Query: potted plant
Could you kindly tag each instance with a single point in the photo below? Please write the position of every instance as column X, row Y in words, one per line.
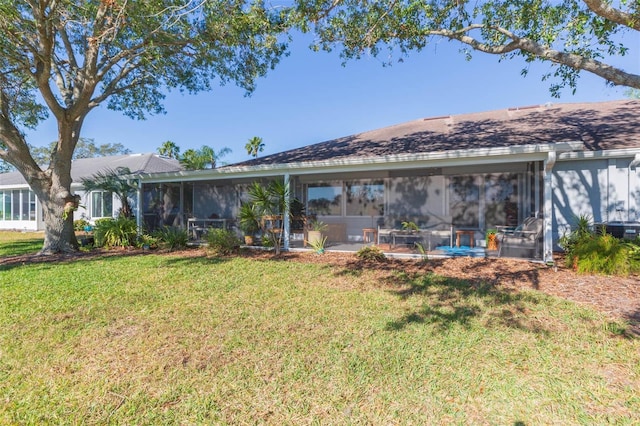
column 249, row 218
column 314, row 234
column 492, row 239
column 410, row 227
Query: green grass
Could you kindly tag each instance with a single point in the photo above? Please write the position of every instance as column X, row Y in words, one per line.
column 19, row 243
column 160, row 339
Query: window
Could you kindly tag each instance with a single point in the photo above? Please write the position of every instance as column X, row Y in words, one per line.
column 324, row 199
column 365, row 199
column 17, row 204
column 5, row 205
column 101, row 204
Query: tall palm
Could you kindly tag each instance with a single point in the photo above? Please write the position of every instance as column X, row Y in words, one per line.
column 203, row 158
column 113, row 181
column 169, row 149
column 254, row 146
column 211, row 157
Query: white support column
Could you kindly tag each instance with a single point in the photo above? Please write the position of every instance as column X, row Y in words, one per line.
column 547, row 253
column 139, row 209
column 285, row 214
column 183, row 225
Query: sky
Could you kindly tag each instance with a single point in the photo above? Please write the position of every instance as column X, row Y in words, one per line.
column 310, row 97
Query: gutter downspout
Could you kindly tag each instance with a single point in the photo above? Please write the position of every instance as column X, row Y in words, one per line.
column 547, row 254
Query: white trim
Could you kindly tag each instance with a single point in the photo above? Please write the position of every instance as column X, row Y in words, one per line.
column 547, row 250
column 612, row 153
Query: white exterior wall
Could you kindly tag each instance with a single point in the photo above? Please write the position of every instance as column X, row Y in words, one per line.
column 602, row 189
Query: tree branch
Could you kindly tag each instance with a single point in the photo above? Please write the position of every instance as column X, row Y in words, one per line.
column 608, row 72
column 605, row 10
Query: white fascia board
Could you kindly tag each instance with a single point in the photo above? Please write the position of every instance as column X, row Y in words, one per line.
column 611, row 153
column 451, row 158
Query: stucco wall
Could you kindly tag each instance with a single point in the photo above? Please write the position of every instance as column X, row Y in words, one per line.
column 602, row 189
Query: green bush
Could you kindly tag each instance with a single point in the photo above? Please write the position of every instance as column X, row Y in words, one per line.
column 79, row 224
column 371, row 253
column 171, row 237
column 148, row 241
column 605, row 254
column 588, row 252
column 223, row 242
column 580, row 234
column 120, row 232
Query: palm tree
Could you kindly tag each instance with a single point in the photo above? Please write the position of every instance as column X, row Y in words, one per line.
column 203, row 158
column 270, row 201
column 169, row 149
column 113, row 181
column 254, row 146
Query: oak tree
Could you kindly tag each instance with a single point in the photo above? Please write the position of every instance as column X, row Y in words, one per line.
column 65, row 58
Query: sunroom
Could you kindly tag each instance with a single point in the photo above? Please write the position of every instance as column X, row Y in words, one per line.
column 436, row 203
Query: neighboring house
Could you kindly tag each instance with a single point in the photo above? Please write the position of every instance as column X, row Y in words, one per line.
column 468, row 172
column 19, row 208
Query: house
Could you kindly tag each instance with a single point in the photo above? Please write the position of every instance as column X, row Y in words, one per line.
column 454, row 176
column 19, row 208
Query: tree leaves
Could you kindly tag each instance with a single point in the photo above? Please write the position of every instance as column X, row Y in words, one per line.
column 572, row 35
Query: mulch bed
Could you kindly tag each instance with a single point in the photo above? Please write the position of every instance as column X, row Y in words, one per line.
column 618, row 297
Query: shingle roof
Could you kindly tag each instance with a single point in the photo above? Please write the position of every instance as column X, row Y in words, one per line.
column 600, row 126
column 86, row 167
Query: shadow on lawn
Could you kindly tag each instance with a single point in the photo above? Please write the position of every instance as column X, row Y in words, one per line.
column 20, row 247
column 187, row 256
column 453, row 301
column 449, row 302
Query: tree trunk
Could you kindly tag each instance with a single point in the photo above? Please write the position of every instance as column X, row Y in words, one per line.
column 59, row 235
column 53, row 188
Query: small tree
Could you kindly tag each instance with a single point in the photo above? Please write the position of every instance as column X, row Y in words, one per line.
column 113, row 181
column 270, row 200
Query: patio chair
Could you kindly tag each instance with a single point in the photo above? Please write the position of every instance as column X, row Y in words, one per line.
column 522, row 241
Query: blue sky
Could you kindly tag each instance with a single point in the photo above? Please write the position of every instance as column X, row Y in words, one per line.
column 310, row 97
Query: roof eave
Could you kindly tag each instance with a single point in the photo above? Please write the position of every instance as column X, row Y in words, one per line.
column 399, row 161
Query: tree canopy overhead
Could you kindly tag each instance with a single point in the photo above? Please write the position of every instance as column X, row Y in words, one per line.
column 573, row 35
column 64, row 58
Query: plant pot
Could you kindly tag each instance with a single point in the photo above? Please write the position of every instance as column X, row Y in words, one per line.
column 248, row 240
column 314, row 236
column 492, row 242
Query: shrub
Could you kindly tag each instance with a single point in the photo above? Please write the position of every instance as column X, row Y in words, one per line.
column 371, row 253
column 223, row 242
column 80, row 224
column 580, row 234
column 148, row 241
column 603, row 254
column 171, row 237
column 120, row 232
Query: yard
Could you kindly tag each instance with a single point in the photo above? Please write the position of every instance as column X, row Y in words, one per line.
column 184, row 338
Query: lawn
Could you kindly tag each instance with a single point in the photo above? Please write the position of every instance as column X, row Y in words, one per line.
column 170, row 339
